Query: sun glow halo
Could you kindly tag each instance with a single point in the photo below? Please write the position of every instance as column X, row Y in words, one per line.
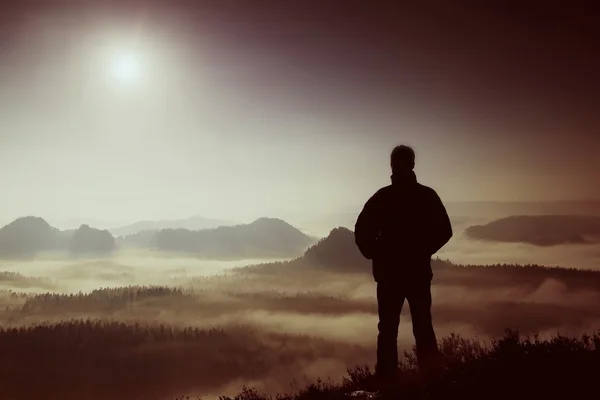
column 125, row 68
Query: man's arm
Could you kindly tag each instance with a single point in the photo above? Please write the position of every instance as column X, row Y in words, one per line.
column 441, row 230
column 366, row 228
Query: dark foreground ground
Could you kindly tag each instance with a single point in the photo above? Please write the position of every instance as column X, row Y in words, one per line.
column 510, row 368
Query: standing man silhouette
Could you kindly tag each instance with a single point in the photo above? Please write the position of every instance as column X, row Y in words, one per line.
column 400, row 228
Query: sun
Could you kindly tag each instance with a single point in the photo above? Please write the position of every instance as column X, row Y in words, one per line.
column 125, row 68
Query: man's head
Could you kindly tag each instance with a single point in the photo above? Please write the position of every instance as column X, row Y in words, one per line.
column 402, row 159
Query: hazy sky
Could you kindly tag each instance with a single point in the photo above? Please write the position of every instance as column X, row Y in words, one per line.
column 145, row 109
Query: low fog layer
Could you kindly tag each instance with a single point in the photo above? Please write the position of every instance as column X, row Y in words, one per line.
column 130, row 267
column 279, row 328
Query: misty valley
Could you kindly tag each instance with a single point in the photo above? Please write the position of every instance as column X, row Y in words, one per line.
column 157, row 311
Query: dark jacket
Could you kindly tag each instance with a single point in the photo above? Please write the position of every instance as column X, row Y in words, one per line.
column 400, row 227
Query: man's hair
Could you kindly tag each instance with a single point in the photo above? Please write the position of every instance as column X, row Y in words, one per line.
column 402, row 158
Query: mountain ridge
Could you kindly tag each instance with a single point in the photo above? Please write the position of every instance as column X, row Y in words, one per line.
column 192, row 223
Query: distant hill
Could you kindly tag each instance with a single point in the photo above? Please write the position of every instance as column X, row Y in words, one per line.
column 337, row 251
column 193, row 224
column 27, row 236
column 265, row 237
column 87, row 240
column 539, row 230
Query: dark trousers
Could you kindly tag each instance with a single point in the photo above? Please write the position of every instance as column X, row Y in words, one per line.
column 390, row 299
